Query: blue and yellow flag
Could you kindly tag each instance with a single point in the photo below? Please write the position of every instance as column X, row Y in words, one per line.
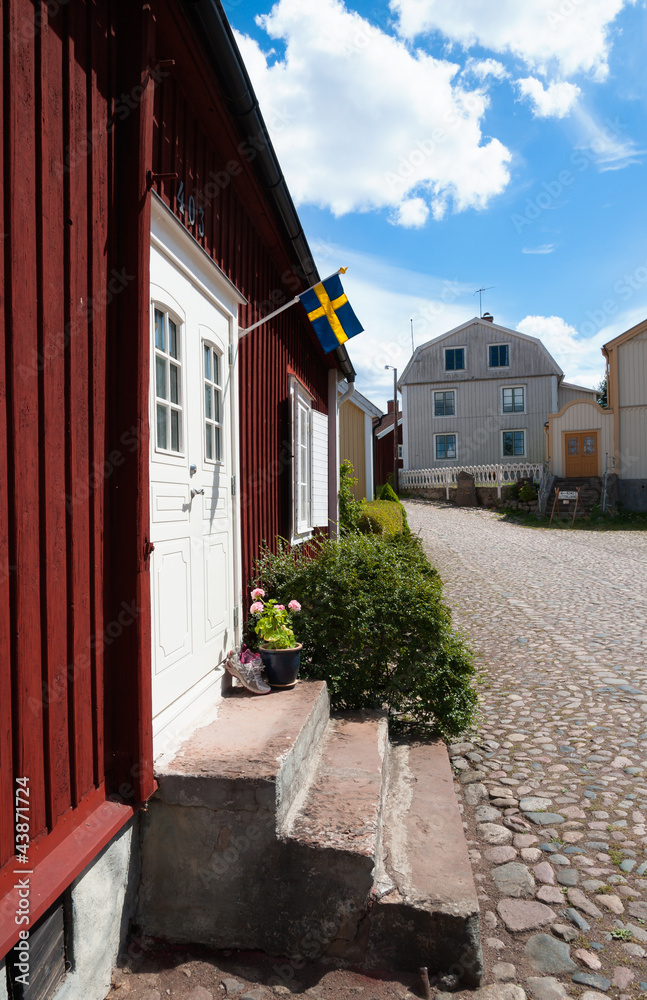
column 331, row 313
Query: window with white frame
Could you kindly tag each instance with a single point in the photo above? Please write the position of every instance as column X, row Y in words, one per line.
column 514, row 399
column 211, row 374
column 454, row 359
column 445, row 446
column 514, row 444
column 445, row 403
column 499, row 356
column 169, row 431
column 309, row 463
column 400, row 452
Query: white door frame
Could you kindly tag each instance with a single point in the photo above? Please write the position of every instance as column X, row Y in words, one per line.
column 170, row 238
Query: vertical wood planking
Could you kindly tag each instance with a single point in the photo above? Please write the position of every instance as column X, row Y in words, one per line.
column 24, row 473
column 6, row 568
column 99, row 280
column 53, row 511
column 79, row 485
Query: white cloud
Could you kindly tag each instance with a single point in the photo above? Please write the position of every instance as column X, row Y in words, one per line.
column 554, row 101
column 412, row 213
column 549, row 37
column 578, row 357
column 483, row 68
column 605, row 143
column 544, row 248
column 362, row 123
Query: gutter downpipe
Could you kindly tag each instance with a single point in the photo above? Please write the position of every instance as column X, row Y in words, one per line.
column 214, row 32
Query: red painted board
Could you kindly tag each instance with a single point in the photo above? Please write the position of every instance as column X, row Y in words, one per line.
column 24, row 426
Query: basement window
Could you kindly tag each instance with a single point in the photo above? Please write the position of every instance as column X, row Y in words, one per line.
column 36, row 972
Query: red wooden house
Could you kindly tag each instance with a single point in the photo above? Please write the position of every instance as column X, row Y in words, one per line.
column 147, row 445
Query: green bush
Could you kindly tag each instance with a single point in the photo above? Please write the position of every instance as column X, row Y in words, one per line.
column 388, row 493
column 380, row 517
column 350, row 509
column 527, row 491
column 374, row 627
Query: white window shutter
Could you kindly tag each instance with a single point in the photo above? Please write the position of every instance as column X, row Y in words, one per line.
column 319, row 478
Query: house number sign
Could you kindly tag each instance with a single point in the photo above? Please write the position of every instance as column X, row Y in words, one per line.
column 188, row 210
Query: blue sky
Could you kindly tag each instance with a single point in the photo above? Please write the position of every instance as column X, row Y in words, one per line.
column 435, row 146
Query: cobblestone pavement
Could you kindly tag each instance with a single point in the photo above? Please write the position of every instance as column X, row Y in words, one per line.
column 554, row 779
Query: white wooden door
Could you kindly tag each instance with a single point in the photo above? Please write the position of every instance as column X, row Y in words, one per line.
column 191, row 468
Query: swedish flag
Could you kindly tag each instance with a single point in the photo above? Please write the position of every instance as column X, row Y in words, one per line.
column 331, row 313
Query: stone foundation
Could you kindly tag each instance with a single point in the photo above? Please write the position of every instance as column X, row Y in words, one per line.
column 632, row 494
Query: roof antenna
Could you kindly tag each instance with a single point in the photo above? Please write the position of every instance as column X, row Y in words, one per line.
column 479, row 292
column 412, row 347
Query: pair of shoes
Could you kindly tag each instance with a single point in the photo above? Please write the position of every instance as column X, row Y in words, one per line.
column 247, row 667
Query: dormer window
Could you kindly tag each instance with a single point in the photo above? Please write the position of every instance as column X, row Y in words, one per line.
column 454, row 359
column 499, row 356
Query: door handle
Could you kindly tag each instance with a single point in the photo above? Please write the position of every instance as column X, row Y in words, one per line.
column 195, row 493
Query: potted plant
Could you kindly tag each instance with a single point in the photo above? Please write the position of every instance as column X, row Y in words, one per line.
column 280, row 652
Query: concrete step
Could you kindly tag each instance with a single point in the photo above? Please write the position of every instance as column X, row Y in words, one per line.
column 210, row 851
column 332, row 839
column 276, row 828
column 426, row 909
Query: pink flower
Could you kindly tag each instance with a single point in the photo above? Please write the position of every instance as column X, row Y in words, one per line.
column 256, row 606
column 294, row 606
column 257, row 592
column 280, row 607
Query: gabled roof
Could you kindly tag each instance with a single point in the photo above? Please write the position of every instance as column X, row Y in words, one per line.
column 627, row 335
column 580, row 388
column 362, row 402
column 486, row 323
column 388, row 427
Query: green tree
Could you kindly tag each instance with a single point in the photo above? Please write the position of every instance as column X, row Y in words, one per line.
column 603, row 398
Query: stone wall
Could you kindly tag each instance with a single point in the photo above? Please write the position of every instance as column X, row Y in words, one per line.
column 632, row 494
column 486, row 496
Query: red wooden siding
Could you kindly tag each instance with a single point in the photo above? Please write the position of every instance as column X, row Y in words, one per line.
column 193, row 137
column 73, row 489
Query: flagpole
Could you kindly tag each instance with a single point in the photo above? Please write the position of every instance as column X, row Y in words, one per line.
column 288, row 305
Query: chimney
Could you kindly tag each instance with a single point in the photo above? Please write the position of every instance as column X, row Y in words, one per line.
column 389, row 404
column 488, row 316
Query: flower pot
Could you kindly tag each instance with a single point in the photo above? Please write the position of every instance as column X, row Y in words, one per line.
column 281, row 665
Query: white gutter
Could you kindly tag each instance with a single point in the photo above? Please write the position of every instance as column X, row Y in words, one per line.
column 347, row 394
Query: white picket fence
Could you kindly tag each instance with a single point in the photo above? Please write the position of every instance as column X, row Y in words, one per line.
column 484, row 475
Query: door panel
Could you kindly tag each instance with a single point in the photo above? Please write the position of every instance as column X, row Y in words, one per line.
column 192, row 573
column 581, row 454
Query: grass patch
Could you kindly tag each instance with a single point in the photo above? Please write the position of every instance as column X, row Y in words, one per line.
column 623, row 521
column 621, row 934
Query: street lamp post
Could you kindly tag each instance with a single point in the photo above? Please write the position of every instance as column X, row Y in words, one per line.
column 395, row 426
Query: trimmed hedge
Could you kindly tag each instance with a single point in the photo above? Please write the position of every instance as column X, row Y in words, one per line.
column 388, row 493
column 374, row 627
column 381, row 517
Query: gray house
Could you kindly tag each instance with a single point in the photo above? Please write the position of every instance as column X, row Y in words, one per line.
column 481, row 394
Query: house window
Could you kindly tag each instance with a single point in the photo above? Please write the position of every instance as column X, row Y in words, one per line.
column 499, row 356
column 514, row 399
column 514, row 444
column 168, row 383
column 211, row 373
column 309, row 463
column 445, row 446
column 302, row 465
column 454, row 359
column 444, row 404
column 400, row 451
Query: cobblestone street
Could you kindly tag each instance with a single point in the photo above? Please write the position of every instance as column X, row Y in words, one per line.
column 553, row 781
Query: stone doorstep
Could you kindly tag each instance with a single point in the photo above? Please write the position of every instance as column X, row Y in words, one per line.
column 341, row 807
column 260, row 740
column 426, row 910
column 276, row 828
